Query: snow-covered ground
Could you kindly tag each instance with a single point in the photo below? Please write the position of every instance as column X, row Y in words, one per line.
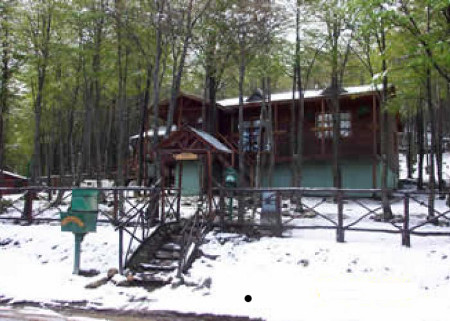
column 305, row 275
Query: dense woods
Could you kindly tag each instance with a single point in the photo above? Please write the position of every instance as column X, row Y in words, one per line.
column 78, row 78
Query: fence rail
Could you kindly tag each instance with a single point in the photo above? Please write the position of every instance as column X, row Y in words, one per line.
column 131, row 210
column 135, row 210
column 420, row 213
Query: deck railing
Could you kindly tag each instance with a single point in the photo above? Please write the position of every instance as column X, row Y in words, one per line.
column 342, row 210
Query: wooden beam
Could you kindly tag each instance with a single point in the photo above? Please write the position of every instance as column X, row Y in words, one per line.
column 180, row 112
column 180, row 178
column 374, row 141
column 322, row 140
column 163, row 178
column 210, row 196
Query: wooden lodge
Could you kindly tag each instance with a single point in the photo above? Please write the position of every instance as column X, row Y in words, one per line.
column 12, row 180
column 359, row 147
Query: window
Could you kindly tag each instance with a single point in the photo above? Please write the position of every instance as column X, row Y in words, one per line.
column 324, row 125
column 250, row 136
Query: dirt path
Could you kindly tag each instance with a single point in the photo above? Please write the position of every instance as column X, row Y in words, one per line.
column 29, row 313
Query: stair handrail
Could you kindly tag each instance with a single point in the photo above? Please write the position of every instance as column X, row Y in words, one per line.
column 191, row 238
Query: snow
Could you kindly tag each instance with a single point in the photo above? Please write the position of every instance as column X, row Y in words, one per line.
column 13, row 174
column 308, row 94
column 305, row 275
column 151, row 132
column 37, row 314
column 212, row 140
column 445, row 168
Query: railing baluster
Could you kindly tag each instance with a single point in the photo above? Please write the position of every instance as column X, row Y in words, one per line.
column 340, row 218
column 406, row 236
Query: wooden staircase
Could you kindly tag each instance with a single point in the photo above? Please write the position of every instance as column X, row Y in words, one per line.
column 168, row 252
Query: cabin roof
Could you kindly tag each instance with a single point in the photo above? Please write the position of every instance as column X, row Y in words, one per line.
column 151, row 132
column 4, row 172
column 189, row 139
column 308, row 94
column 213, row 141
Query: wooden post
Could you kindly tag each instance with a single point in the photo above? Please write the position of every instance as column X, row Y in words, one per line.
column 115, row 206
column 121, row 250
column 209, row 184
column 340, row 218
column 406, row 236
column 222, row 208
column 278, row 223
column 322, row 130
column 374, row 142
column 180, row 113
column 180, row 177
column 28, row 207
column 163, row 178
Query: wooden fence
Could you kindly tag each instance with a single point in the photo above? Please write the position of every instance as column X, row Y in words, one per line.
column 414, row 212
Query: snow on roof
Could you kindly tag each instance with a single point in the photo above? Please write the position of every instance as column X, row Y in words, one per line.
column 13, row 174
column 149, row 133
column 211, row 140
column 308, row 94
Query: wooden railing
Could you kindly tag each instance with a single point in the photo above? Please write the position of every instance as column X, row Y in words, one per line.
column 320, row 208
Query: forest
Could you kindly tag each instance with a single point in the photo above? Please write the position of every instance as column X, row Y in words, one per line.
column 79, row 77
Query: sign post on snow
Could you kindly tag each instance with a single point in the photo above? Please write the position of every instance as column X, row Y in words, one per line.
column 80, row 219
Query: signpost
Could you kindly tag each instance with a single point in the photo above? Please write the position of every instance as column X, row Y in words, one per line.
column 230, row 182
column 80, row 219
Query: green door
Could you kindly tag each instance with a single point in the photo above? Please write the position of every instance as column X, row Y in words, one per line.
column 190, row 181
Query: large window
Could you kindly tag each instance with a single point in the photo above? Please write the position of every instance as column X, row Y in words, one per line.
column 250, row 137
column 324, row 125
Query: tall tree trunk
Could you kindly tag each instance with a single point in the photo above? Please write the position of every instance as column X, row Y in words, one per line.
column 411, row 153
column 4, row 82
column 337, row 179
column 270, row 135
column 156, row 86
column 439, row 132
column 385, row 132
column 121, row 98
column 242, row 66
column 432, row 148
column 144, row 126
column 96, row 68
column 432, row 152
column 420, row 143
column 179, row 67
column 298, row 157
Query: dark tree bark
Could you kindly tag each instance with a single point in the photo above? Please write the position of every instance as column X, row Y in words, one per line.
column 122, row 53
column 5, row 77
column 144, row 126
column 420, row 143
column 298, row 157
column 41, row 47
column 242, row 67
column 156, row 84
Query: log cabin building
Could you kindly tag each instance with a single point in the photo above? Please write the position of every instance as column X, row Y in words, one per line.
column 12, row 180
column 359, row 146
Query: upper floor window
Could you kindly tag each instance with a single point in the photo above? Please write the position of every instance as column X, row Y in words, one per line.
column 251, row 132
column 324, row 125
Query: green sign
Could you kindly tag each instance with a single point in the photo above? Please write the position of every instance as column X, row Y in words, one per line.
column 82, row 215
column 77, row 222
column 230, row 177
column 80, row 219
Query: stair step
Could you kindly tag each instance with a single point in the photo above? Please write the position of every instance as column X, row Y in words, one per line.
column 162, row 262
column 150, row 279
column 171, row 247
column 154, row 267
column 177, row 239
column 167, row 255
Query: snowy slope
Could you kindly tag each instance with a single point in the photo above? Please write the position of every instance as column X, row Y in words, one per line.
column 305, row 275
